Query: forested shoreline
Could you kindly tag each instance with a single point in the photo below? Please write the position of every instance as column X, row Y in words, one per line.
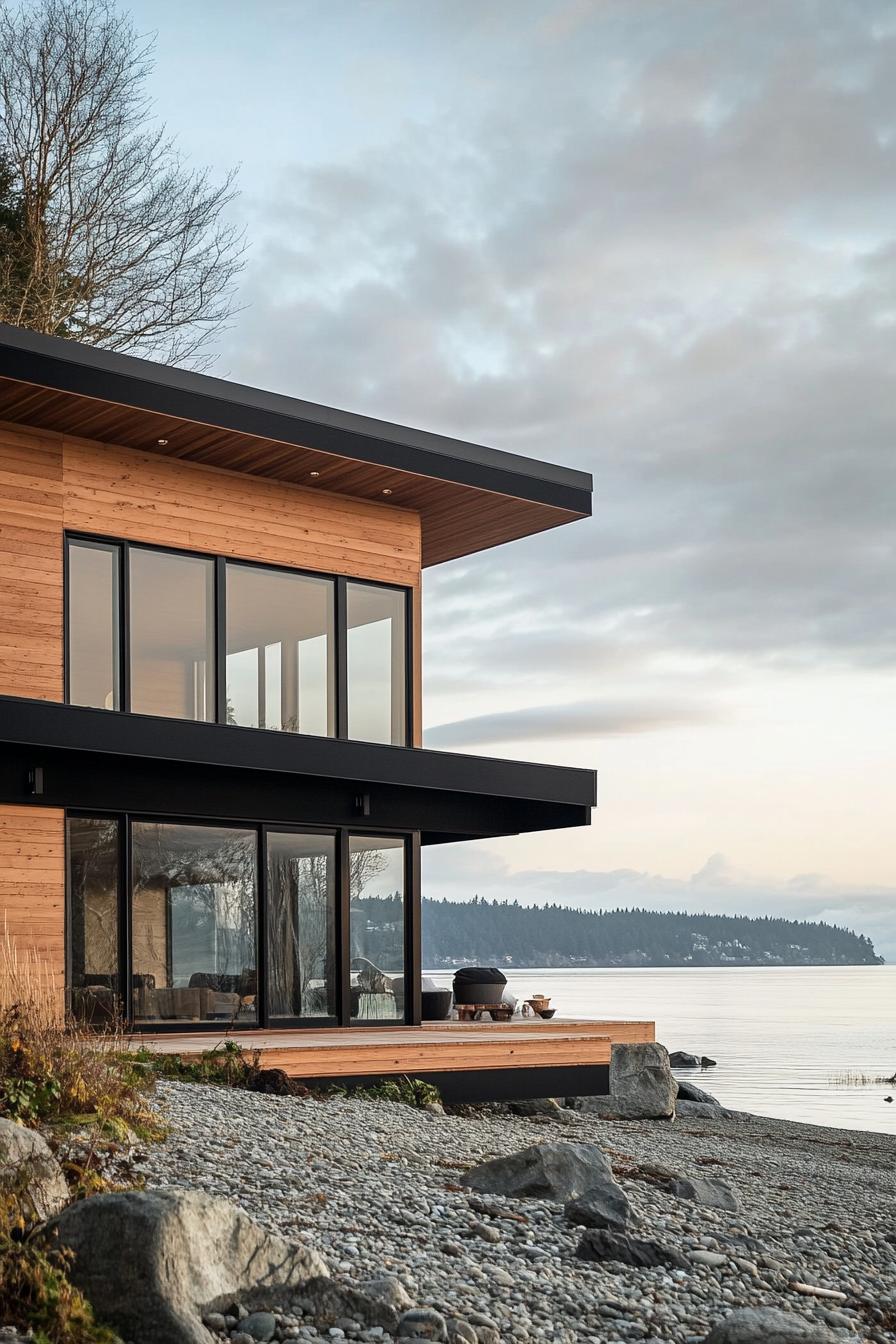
column 505, row 933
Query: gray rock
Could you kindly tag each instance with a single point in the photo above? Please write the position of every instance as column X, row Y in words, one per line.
column 259, row 1325
column 603, row 1204
column 767, row 1325
column 215, row 1321
column 706, row 1190
column 554, row 1171
column 546, row 1108
column 423, row 1323
column 330, row 1302
column 152, row 1263
column 691, row 1092
column 680, row 1059
column 29, row 1173
column 705, row 1110
column 459, row 1332
column 389, row 1289
column 709, row 1259
column 706, row 1062
column 641, row 1080
column 487, row 1332
column 601, row 1244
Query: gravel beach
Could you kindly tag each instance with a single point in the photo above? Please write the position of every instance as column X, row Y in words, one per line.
column 374, row 1187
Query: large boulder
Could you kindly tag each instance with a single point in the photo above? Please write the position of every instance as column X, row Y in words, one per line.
column 704, row 1110
column 680, row 1059
column 641, row 1080
column 152, row 1263
column 712, row 1194
column 600, row 1244
column 768, row 1325
column 372, row 1304
column 691, row 1092
column 603, row 1204
column 29, row 1173
column 555, row 1171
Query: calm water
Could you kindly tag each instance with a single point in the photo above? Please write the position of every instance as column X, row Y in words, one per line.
column 782, row 1035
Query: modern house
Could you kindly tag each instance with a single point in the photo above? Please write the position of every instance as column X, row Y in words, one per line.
column 213, row 793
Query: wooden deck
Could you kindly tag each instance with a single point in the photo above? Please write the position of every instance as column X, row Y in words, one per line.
column 434, row 1048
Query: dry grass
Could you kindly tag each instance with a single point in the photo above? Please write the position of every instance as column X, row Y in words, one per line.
column 53, row 1070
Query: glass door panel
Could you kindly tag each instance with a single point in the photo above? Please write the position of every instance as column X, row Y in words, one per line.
column 193, row 923
column 301, row 930
column 377, row 894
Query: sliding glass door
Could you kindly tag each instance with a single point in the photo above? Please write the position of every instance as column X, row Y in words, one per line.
column 173, row 922
column 378, row 927
column 301, row 927
column 193, row 923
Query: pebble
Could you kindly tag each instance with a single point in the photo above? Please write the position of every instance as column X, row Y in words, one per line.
column 374, row 1187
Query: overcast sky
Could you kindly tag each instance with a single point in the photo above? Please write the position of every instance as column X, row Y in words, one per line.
column 656, row 241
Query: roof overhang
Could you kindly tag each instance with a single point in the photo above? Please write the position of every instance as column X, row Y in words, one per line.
column 94, row 759
column 470, row 497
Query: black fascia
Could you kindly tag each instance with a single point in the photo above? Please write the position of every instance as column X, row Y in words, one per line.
column 142, row 737
column 68, row 366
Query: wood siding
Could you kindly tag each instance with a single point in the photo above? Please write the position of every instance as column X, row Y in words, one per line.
column 32, row 883
column 50, row 483
column 30, row 565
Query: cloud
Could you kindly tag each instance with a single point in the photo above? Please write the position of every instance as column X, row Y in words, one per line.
column 583, row 719
column 458, row 872
column 678, row 273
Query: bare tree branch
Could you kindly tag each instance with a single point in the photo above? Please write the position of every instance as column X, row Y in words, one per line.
column 105, row 235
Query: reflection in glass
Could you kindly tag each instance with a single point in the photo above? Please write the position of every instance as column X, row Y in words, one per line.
column 377, row 706
column 301, row 925
column 172, row 635
column 193, row 922
column 92, row 655
column 280, row 665
column 93, row 857
column 376, row 884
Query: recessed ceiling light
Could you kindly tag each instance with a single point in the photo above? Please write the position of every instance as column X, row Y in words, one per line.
column 162, row 442
column 314, row 473
column 387, row 492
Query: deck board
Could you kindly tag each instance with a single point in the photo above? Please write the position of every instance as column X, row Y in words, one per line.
column 436, row 1047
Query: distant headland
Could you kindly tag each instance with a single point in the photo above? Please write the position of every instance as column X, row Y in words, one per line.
column 505, row 933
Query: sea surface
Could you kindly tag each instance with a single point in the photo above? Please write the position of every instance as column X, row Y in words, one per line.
column 790, row 1041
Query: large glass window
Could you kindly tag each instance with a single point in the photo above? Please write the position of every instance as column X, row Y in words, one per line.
column 301, row 938
column 93, row 625
column 280, row 664
column 376, row 890
column 377, row 683
column 93, row 859
column 293, row 652
column 172, row 634
column 193, row 921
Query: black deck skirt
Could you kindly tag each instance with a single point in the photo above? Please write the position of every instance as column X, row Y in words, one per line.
column 473, row 1085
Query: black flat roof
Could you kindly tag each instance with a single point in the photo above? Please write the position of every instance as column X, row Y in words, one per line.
column 68, row 366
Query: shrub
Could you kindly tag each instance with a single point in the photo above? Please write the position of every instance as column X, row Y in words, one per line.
column 37, row 1295
column 55, row 1071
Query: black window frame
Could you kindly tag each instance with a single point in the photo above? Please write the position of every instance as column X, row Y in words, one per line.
column 340, row 631
column 263, row 1022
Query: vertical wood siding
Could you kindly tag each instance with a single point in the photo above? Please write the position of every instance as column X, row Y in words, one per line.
column 32, row 883
column 30, row 565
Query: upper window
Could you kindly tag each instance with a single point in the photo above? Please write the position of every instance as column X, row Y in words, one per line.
column 172, row 634
column 377, row 682
column 94, row 674
column 281, row 670
column 196, row 637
